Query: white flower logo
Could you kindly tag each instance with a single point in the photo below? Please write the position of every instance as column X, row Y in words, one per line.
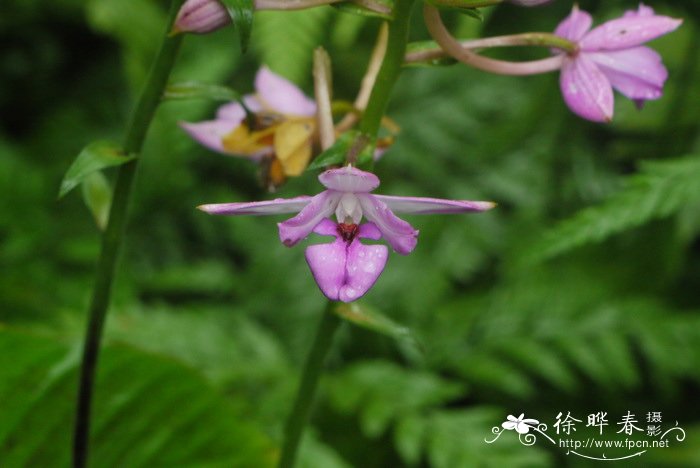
column 521, row 426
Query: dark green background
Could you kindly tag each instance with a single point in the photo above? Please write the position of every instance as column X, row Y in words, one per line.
column 212, row 317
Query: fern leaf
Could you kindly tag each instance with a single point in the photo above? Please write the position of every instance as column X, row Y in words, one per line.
column 660, row 189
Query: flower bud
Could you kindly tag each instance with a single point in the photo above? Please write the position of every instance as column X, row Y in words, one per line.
column 200, row 17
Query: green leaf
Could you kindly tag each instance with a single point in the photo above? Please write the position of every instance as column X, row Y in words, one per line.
column 380, row 8
column 660, row 189
column 337, row 153
column 198, row 90
column 241, row 13
column 285, row 40
column 148, row 410
column 97, row 195
column 94, row 157
column 371, row 319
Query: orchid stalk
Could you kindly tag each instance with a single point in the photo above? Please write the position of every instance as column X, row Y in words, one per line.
column 114, row 233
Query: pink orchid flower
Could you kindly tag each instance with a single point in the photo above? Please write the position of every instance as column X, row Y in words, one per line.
column 612, row 56
column 283, row 132
column 346, row 269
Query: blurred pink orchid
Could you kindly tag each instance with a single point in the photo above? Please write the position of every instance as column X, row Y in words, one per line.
column 346, row 269
column 283, row 132
column 612, row 56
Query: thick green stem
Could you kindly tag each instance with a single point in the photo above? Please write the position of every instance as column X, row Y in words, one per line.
column 390, row 70
column 112, row 237
column 307, row 387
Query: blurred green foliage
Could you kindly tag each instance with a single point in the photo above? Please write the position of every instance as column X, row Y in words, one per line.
column 578, row 293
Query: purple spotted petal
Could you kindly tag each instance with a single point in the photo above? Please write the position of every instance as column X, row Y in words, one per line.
column 586, row 90
column 280, row 95
column 201, row 16
column 575, row 25
column 327, row 264
column 419, row 205
column 638, row 73
column 210, row 133
column 297, row 228
column 345, row 272
column 364, row 265
column 400, row 235
column 269, row 207
column 626, row 32
column 349, row 179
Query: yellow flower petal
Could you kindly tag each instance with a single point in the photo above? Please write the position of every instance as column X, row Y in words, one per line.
column 244, row 142
column 293, row 141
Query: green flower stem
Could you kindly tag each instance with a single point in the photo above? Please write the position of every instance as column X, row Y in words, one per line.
column 112, row 237
column 390, row 69
column 307, row 387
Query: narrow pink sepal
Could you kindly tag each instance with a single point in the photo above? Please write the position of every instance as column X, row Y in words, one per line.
column 420, row 205
column 281, row 95
column 586, row 90
column 268, row 207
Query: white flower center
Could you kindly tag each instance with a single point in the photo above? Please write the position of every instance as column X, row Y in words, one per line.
column 349, row 209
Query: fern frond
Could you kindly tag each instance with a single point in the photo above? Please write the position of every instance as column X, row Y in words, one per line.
column 660, row 189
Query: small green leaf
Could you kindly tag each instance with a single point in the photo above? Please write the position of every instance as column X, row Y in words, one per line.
column 97, row 195
column 94, row 157
column 335, row 154
column 371, row 319
column 373, row 8
column 241, row 12
column 198, row 90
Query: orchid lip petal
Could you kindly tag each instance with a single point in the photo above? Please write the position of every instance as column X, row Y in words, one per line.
column 327, row 264
column 626, row 32
column 280, row 95
column 586, row 89
column 345, row 272
column 297, row 228
column 363, row 266
column 268, row 207
column 420, row 205
column 349, row 179
column 210, row 133
column 401, row 235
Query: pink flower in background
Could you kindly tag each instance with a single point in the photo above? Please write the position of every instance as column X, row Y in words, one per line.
column 201, row 16
column 612, row 56
column 283, row 132
column 345, row 269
